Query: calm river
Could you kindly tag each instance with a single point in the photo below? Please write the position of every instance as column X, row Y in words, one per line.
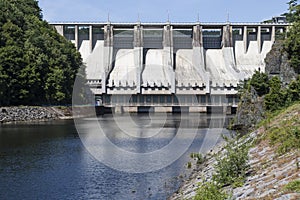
column 47, row 160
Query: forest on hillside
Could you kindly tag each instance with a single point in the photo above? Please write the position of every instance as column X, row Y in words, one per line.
column 37, row 65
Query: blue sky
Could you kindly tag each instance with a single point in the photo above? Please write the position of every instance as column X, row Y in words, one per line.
column 157, row 10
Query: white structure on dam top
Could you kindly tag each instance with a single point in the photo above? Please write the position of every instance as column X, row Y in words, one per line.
column 169, row 64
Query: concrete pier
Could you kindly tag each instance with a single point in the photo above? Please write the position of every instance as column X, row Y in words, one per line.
column 259, row 43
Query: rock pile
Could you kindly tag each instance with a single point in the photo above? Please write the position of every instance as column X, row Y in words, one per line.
column 13, row 114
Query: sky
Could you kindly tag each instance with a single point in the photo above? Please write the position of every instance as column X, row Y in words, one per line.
column 161, row 10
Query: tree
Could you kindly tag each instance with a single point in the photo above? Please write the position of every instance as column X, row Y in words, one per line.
column 292, row 43
column 37, row 65
column 260, row 82
column 277, row 97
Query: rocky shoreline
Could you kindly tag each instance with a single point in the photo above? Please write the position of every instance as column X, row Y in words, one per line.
column 33, row 113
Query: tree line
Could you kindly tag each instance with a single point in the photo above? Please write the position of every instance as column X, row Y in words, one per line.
column 37, row 65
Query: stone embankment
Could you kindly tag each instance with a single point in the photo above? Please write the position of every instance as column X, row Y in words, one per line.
column 269, row 172
column 269, row 175
column 30, row 113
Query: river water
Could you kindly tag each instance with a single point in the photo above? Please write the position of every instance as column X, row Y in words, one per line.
column 48, row 160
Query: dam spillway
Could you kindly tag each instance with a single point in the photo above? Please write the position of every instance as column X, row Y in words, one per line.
column 164, row 65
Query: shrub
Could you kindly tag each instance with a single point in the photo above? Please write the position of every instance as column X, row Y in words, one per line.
column 199, row 157
column 231, row 168
column 189, row 165
column 210, row 191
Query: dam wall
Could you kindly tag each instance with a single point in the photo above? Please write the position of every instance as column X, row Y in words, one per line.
column 167, row 64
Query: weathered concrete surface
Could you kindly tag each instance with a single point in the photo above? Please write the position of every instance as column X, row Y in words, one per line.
column 161, row 109
column 251, row 60
column 220, row 64
column 156, row 71
column 197, row 109
column 186, row 72
column 130, row 109
column 94, row 62
column 125, row 71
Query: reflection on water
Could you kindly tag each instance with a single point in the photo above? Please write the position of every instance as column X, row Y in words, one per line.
column 47, row 160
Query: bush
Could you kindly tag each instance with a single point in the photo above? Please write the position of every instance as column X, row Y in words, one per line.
column 199, row 157
column 260, row 82
column 189, row 165
column 231, row 168
column 210, row 191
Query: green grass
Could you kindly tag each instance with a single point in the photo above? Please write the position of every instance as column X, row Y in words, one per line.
column 285, row 133
column 293, row 186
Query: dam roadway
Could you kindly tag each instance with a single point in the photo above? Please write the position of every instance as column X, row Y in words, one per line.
column 166, row 67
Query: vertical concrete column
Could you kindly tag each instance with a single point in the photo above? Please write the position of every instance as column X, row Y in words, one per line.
column 76, row 37
column 245, row 39
column 168, row 36
column 227, row 36
column 227, row 48
column 108, row 35
column 168, row 54
column 107, row 54
column 198, row 56
column 259, row 42
column 197, row 36
column 60, row 29
column 91, row 38
column 273, row 34
column 138, row 55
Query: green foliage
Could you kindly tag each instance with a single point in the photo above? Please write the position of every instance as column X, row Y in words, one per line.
column 260, row 82
column 189, row 165
column 294, row 11
column 294, row 90
column 210, row 191
column 286, row 136
column 293, row 186
column 292, row 42
column 275, row 99
column 279, row 97
column 231, row 167
column 37, row 65
column 199, row 157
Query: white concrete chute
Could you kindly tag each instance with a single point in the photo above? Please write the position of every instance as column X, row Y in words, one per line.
column 85, row 50
column 124, row 73
column 157, row 71
column 94, row 62
column 220, row 65
column 186, row 72
column 251, row 60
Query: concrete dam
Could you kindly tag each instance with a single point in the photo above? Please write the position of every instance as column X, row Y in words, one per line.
column 166, row 67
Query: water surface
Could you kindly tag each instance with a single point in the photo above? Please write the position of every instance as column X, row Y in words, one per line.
column 47, row 160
